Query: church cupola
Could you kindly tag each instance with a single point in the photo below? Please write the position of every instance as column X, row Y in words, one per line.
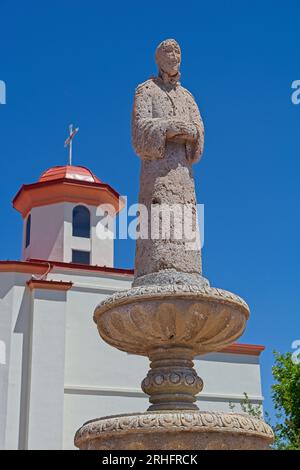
column 61, row 212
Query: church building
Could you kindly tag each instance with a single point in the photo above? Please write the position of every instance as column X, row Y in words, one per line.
column 55, row 370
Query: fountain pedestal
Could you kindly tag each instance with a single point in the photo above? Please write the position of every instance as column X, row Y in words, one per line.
column 171, row 325
column 172, row 381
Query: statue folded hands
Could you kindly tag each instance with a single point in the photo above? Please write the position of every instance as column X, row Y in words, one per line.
column 165, row 112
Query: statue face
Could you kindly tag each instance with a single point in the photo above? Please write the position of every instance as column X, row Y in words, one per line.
column 169, row 58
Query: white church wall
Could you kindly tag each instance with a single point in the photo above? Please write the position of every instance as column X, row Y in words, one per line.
column 47, row 366
column 230, row 375
column 102, row 248
column 82, row 406
column 6, row 302
column 46, row 234
column 83, row 345
column 51, row 236
column 15, row 308
column 91, row 364
column 18, row 369
column 101, row 251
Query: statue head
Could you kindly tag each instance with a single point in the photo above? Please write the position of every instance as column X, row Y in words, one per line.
column 168, row 58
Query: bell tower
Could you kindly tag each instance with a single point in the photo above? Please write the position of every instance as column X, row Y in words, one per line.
column 65, row 213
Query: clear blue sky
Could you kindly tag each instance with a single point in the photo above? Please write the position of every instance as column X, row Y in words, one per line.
column 79, row 61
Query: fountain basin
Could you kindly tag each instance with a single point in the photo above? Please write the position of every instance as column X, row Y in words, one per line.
column 203, row 319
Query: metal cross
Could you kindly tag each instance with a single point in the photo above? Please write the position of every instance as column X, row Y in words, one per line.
column 72, row 134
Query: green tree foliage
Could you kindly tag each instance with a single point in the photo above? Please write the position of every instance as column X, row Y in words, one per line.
column 248, row 407
column 286, row 399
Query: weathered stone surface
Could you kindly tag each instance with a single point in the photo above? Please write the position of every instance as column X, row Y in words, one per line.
column 171, row 277
column 168, row 135
column 186, row 430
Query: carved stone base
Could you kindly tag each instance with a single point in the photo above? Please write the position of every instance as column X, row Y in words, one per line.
column 175, row 430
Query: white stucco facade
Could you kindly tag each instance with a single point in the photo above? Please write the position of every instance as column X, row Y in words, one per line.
column 51, row 235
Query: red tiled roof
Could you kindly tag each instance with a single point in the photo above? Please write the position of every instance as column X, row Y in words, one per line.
column 68, row 183
column 37, row 266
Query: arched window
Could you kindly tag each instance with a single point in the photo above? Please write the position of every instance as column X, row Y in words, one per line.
column 27, row 234
column 81, row 222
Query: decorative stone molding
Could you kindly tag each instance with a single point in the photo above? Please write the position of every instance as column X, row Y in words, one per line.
column 174, row 379
column 172, row 382
column 236, row 427
column 187, row 290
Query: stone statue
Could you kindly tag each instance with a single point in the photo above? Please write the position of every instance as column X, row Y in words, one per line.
column 168, row 135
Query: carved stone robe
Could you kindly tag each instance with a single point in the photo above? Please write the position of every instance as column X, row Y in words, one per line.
column 166, row 172
column 154, row 107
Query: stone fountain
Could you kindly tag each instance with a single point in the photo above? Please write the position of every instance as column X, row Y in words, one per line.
column 171, row 314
